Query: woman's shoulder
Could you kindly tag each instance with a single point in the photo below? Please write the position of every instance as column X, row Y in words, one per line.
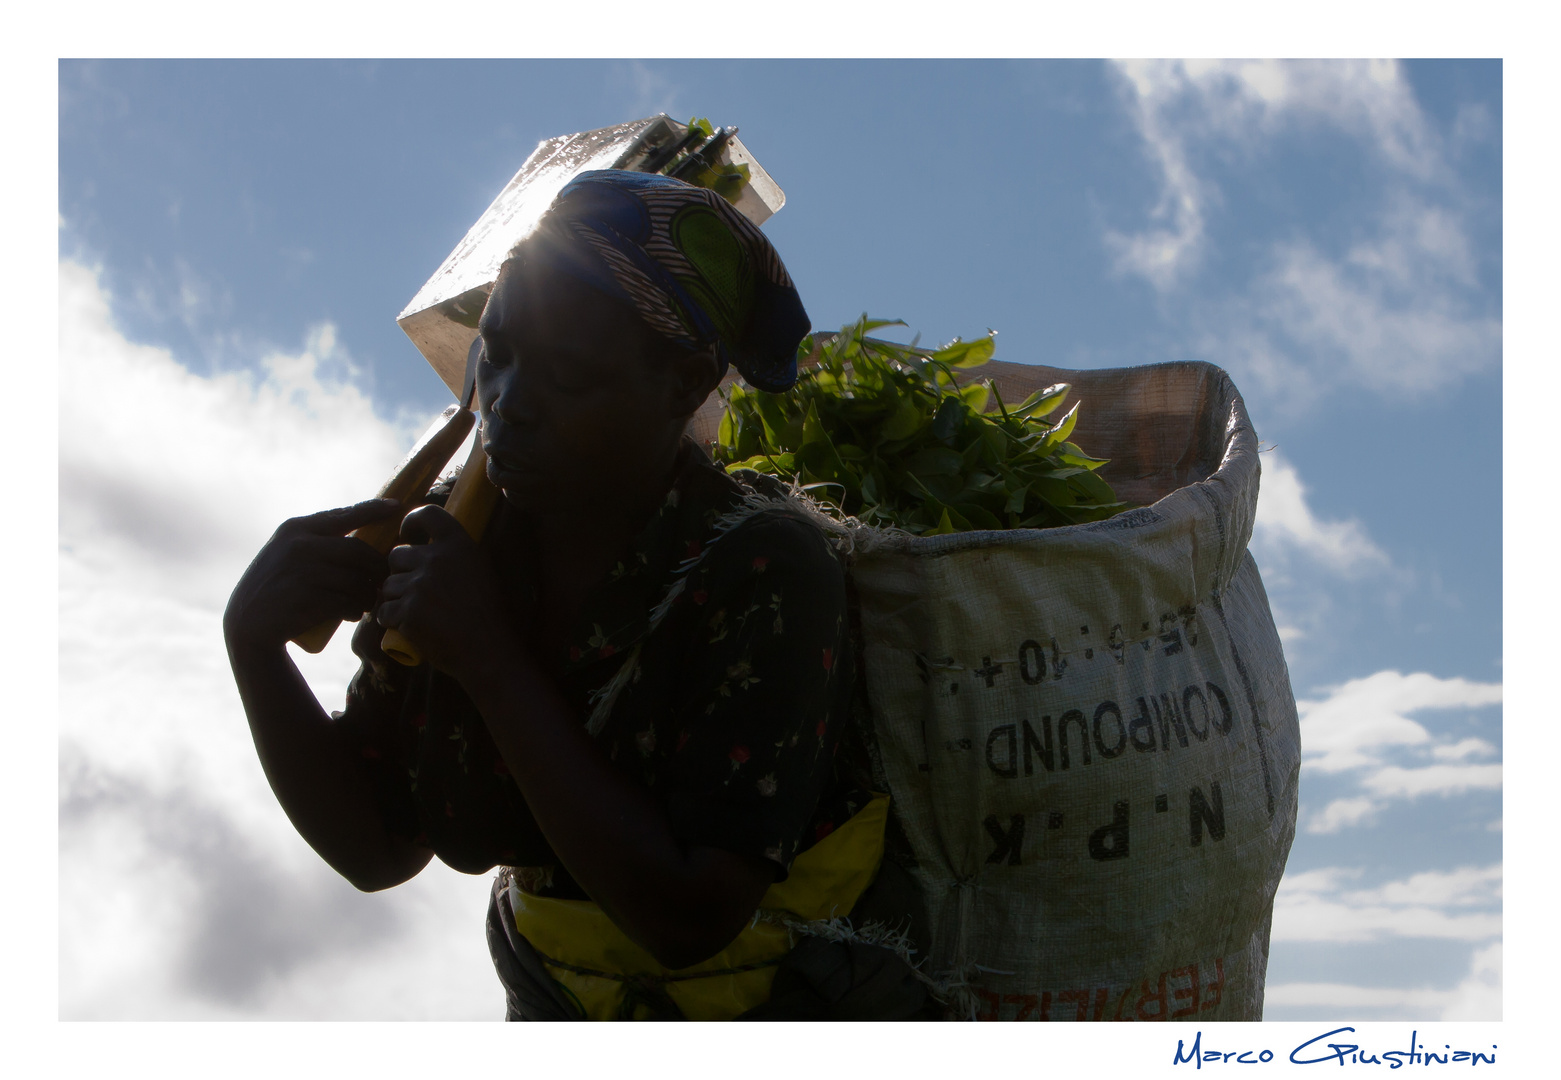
column 772, row 526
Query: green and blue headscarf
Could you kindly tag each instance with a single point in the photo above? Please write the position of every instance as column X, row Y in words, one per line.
column 694, row 269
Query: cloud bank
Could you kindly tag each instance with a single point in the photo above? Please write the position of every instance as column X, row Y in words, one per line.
column 1395, row 307
column 1286, row 525
column 184, row 892
column 1476, row 997
column 1333, row 905
column 1336, row 905
column 1363, row 730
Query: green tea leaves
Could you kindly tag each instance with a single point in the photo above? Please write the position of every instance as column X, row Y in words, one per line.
column 884, row 432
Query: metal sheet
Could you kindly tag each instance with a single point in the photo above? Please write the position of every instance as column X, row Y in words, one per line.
column 442, row 318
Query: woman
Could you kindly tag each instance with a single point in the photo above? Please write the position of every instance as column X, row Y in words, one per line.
column 634, row 685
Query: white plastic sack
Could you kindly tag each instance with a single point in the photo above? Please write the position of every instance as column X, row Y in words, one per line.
column 1089, row 732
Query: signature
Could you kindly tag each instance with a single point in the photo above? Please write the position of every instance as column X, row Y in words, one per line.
column 1320, row 1051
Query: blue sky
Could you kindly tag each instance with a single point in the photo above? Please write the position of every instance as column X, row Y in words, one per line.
column 237, row 237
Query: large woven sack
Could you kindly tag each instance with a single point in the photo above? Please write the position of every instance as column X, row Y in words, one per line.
column 1089, row 732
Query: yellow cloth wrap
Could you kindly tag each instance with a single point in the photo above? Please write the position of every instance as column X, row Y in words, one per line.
column 825, row 882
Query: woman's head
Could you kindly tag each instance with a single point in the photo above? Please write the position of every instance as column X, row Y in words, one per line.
column 575, row 391
column 614, row 320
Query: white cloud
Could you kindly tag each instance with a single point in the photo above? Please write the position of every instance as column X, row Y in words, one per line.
column 1466, row 886
column 1341, row 814
column 1285, row 522
column 1364, row 727
column 1179, row 103
column 1166, row 252
column 1476, row 997
column 1457, row 905
column 1394, row 781
column 184, row 892
column 1393, row 314
column 1398, row 310
column 1463, row 748
column 653, row 91
column 1328, row 905
column 1337, row 906
column 1349, row 728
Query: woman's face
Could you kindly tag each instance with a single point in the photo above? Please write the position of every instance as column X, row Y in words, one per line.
column 572, row 405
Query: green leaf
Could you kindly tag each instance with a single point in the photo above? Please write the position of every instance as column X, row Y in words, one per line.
column 873, row 324
column 975, row 395
column 977, row 516
column 997, row 443
column 935, row 461
column 1042, row 402
column 870, row 490
column 967, row 354
column 946, row 422
column 1074, row 456
column 1057, row 492
column 778, row 431
column 1091, row 488
column 944, row 527
column 774, row 464
column 984, row 482
column 817, row 451
column 1059, row 431
column 906, row 420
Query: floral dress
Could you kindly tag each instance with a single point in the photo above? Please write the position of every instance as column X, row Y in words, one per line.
column 713, row 666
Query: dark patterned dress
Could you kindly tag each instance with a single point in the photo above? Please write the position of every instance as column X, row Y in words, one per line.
column 713, row 666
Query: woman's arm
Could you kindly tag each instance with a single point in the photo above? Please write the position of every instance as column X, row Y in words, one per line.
column 309, row 572
column 682, row 903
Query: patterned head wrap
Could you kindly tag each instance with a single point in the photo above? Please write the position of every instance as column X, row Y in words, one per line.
column 696, row 270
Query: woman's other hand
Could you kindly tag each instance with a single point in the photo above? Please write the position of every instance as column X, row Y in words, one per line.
column 444, row 596
column 309, row 572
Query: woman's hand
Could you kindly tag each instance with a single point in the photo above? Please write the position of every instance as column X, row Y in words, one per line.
column 310, row 571
column 445, row 598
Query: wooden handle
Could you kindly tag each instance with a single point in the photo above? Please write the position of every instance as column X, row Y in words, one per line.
column 411, row 480
column 313, row 641
column 471, row 503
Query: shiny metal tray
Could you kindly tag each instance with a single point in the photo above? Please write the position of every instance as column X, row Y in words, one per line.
column 442, row 318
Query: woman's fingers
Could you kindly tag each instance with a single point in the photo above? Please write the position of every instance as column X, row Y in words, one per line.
column 440, row 590
column 340, row 551
column 408, row 583
column 432, row 523
column 343, row 519
column 407, row 558
column 390, row 613
column 308, row 572
column 342, row 606
column 318, row 593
